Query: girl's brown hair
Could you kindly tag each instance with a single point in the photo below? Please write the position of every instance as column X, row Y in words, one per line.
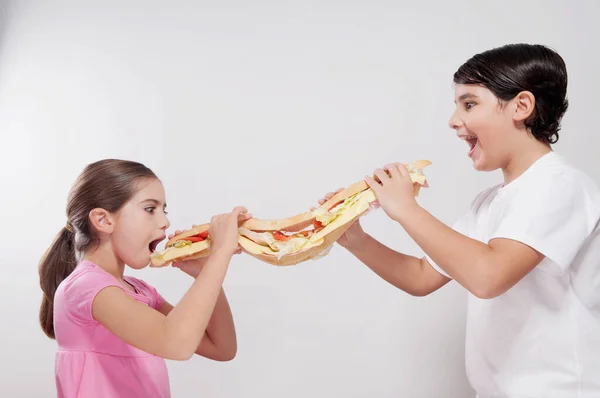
column 106, row 184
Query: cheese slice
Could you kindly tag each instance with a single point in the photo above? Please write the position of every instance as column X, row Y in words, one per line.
column 169, row 254
column 361, row 204
column 256, row 248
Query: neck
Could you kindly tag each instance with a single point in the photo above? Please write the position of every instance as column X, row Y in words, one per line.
column 527, row 154
column 105, row 257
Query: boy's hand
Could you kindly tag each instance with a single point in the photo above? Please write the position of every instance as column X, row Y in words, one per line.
column 394, row 192
column 354, row 235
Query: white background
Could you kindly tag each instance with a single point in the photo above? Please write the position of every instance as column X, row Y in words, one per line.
column 269, row 106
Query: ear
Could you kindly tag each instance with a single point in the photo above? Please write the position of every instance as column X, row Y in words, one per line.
column 524, row 104
column 102, row 220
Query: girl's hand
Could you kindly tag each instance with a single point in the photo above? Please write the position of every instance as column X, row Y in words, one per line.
column 223, row 230
column 395, row 193
column 354, row 235
column 192, row 267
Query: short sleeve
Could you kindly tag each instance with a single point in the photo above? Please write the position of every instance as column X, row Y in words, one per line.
column 158, row 299
column 82, row 290
column 554, row 217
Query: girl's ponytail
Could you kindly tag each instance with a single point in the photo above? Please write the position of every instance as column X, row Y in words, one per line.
column 56, row 264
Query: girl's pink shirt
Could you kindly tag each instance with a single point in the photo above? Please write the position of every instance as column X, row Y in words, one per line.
column 91, row 361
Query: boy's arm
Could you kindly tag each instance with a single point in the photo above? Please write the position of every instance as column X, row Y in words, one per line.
column 413, row 275
column 486, row 270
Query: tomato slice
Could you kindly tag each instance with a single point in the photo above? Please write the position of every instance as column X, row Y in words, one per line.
column 335, row 204
column 317, row 224
column 198, row 237
column 194, row 239
column 281, row 236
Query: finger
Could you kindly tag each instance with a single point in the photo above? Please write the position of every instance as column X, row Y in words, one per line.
column 239, row 210
column 243, row 217
column 381, row 175
column 402, row 169
column 392, row 168
column 374, row 185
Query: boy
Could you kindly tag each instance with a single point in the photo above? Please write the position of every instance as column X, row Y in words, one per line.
column 527, row 251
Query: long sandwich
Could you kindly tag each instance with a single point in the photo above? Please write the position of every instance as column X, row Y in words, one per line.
column 289, row 241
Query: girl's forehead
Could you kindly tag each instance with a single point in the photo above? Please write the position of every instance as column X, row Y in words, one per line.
column 150, row 190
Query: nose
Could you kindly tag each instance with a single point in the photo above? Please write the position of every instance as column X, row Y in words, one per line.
column 454, row 121
column 165, row 223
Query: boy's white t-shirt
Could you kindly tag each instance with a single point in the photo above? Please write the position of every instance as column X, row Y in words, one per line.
column 541, row 338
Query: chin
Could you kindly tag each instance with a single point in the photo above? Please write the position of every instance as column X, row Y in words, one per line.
column 138, row 264
column 481, row 164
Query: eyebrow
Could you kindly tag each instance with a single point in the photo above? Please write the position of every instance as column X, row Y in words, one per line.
column 466, row 96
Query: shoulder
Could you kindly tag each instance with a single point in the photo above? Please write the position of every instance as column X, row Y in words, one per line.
column 558, row 180
column 81, row 287
column 87, row 276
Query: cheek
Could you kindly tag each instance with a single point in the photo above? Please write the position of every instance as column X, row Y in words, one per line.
column 483, row 125
column 476, row 121
column 127, row 233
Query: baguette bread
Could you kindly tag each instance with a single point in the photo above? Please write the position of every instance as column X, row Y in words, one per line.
column 292, row 240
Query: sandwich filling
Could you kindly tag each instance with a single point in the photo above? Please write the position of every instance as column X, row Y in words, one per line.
column 188, row 240
column 190, row 244
column 280, row 243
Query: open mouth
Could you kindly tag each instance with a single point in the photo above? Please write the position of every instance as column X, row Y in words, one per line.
column 154, row 244
column 472, row 141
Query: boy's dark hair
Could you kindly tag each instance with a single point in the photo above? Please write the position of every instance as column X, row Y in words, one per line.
column 513, row 68
column 106, row 184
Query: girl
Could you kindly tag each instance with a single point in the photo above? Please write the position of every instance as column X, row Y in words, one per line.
column 114, row 331
column 527, row 250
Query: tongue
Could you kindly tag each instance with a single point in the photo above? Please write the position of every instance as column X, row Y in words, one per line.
column 473, row 145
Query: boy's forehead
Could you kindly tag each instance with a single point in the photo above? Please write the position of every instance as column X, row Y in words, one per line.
column 465, row 91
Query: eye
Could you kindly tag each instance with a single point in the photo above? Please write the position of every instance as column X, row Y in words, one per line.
column 150, row 209
column 469, row 105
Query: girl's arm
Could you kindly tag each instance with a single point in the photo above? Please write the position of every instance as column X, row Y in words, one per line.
column 413, row 275
column 174, row 336
column 219, row 341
